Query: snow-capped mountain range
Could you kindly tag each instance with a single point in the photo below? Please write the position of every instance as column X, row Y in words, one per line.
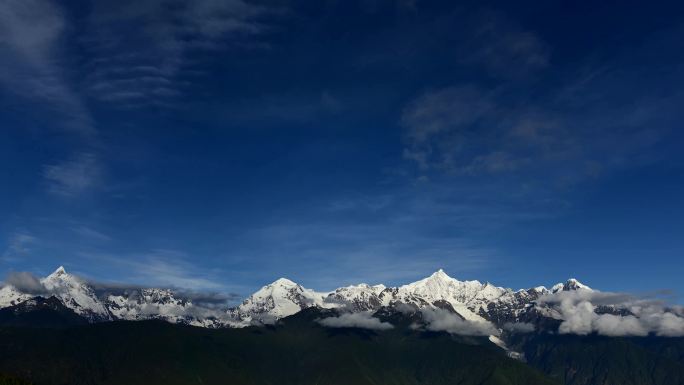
column 470, row 300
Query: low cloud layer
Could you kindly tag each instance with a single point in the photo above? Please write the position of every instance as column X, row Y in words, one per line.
column 363, row 320
column 443, row 320
column 185, row 303
column 180, row 310
column 519, row 327
column 613, row 314
column 211, row 300
column 26, row 282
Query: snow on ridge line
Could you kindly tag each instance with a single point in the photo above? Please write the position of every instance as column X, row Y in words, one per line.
column 283, row 297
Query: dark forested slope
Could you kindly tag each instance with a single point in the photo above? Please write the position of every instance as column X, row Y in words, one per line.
column 297, row 352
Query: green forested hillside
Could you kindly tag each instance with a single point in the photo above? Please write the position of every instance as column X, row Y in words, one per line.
column 596, row 360
column 300, row 352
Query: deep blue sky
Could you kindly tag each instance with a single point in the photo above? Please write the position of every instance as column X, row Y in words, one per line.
column 218, row 145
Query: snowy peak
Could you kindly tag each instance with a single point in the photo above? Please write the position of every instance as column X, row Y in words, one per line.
column 59, row 272
column 10, row 296
column 283, row 282
column 441, row 275
column 570, row 285
column 573, row 284
column 279, row 299
column 437, row 280
column 471, row 300
column 60, row 278
column 466, row 298
column 441, row 286
column 538, row 290
column 76, row 295
column 278, row 287
column 142, row 304
column 362, row 297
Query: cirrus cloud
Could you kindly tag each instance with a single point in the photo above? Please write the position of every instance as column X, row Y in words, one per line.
column 75, row 176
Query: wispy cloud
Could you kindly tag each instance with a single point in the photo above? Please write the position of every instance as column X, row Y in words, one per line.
column 26, row 282
column 136, row 50
column 18, row 245
column 173, row 272
column 31, row 34
column 330, row 254
column 504, row 48
column 162, row 268
column 519, row 327
column 472, row 131
column 396, row 237
column 34, row 41
column 91, row 233
column 580, row 125
column 149, row 62
column 75, row 176
column 469, row 130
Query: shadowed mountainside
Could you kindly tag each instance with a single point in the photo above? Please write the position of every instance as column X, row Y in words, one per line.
column 299, row 351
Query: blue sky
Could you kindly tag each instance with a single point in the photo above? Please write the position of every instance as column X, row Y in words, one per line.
column 219, row 145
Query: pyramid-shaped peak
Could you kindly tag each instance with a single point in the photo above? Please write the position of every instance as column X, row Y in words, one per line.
column 283, row 282
column 440, row 274
column 61, row 277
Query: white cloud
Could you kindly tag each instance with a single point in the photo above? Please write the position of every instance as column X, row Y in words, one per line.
column 519, row 327
column 444, row 320
column 664, row 324
column 616, row 325
column 577, row 310
column 26, row 282
column 363, row 320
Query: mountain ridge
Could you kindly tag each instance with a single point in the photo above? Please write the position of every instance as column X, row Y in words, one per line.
column 470, row 300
